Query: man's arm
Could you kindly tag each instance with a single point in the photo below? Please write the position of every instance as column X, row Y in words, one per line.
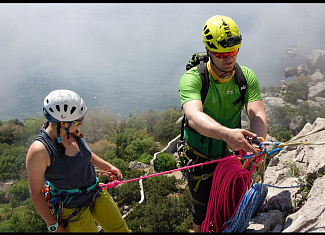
column 257, row 117
column 207, row 126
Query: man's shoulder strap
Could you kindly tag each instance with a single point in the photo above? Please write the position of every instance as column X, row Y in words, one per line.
column 204, row 75
column 240, row 80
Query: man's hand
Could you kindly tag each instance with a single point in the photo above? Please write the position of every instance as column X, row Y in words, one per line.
column 236, row 140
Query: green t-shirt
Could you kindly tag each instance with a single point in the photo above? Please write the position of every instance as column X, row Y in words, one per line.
column 218, row 104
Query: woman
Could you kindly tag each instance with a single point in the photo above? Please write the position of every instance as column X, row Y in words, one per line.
column 61, row 155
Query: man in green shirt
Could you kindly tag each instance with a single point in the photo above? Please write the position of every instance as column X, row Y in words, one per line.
column 215, row 123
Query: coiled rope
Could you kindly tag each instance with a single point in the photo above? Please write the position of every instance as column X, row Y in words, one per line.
column 229, row 185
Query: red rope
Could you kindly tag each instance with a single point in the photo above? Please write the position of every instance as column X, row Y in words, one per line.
column 230, row 183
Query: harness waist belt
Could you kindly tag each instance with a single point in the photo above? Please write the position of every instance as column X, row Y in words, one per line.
column 55, row 191
column 199, row 178
column 191, row 149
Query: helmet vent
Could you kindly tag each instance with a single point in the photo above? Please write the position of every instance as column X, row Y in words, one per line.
column 205, row 26
column 51, row 110
column 211, row 45
column 72, row 110
column 47, row 101
column 65, row 107
column 57, row 108
column 209, row 37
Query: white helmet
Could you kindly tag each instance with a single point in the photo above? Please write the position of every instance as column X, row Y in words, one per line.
column 63, row 106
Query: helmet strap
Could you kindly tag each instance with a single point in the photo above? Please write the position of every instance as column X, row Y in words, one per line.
column 67, row 130
column 224, row 72
column 222, row 78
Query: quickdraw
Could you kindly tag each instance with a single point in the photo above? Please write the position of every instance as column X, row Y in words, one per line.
column 46, row 193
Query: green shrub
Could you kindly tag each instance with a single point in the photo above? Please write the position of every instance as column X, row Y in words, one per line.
column 165, row 162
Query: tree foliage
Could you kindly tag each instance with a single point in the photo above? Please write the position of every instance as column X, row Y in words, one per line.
column 164, row 211
column 297, row 89
column 165, row 162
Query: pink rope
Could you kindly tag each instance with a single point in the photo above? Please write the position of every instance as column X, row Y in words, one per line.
column 115, row 183
column 229, row 185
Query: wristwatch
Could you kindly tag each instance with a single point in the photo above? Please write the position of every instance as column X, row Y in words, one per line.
column 53, row 227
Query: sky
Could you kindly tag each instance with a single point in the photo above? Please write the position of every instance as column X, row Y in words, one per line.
column 131, row 56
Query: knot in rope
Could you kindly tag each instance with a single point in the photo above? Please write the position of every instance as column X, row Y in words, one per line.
column 112, row 184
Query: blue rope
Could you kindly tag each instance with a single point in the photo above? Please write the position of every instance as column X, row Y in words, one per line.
column 250, row 204
column 292, row 186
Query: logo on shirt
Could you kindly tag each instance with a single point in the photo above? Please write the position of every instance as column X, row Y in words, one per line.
column 230, row 92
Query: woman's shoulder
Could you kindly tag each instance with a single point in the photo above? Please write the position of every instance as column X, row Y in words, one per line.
column 38, row 153
column 37, row 146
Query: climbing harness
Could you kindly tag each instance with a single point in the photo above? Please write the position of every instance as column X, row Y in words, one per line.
column 56, row 197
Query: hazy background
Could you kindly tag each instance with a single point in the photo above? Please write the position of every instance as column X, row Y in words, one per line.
column 129, row 57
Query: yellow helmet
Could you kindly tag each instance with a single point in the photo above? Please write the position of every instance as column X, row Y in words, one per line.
column 221, row 34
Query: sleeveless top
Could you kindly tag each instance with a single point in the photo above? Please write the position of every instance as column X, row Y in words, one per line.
column 69, row 172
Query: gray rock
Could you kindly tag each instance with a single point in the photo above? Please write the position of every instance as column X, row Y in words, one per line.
column 317, row 90
column 290, row 72
column 311, row 217
column 302, row 71
column 317, row 76
column 316, row 60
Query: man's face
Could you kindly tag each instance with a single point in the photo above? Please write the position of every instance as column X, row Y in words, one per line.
column 225, row 61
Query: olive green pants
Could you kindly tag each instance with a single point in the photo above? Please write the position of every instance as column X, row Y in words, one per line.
column 105, row 213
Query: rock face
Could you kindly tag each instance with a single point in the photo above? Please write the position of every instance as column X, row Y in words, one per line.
column 315, row 61
column 290, row 72
column 287, row 169
column 311, row 217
